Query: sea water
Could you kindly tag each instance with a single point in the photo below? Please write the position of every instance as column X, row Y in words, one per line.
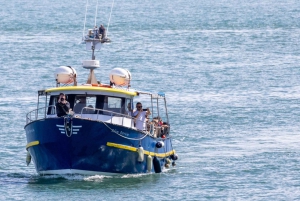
column 230, row 71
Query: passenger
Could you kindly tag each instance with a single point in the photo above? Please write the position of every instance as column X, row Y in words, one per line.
column 96, row 33
column 161, row 128
column 140, row 116
column 102, row 31
column 160, row 122
column 157, row 127
column 89, row 110
column 129, row 111
column 164, row 128
column 80, row 105
column 62, row 105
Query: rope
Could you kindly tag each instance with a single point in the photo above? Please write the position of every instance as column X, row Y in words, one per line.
column 70, row 119
column 109, row 17
column 84, row 19
column 122, row 135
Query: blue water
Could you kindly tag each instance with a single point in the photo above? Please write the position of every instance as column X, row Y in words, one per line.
column 230, row 70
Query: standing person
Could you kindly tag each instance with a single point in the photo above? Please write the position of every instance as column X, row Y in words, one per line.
column 96, row 34
column 62, row 105
column 140, row 116
column 102, row 31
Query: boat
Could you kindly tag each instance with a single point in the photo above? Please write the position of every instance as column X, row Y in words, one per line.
column 98, row 136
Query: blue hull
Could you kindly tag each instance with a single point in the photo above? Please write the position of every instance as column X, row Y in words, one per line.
column 90, row 147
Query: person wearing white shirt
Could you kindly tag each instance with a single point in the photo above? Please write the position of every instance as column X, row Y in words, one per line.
column 140, row 116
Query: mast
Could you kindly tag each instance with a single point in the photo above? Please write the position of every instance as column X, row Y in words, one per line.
column 93, row 41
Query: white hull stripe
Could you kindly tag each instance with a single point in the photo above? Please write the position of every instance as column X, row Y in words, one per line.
column 75, row 129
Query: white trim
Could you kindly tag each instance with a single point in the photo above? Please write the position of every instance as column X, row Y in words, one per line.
column 75, row 171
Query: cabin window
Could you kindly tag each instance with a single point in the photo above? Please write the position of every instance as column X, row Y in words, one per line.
column 128, row 107
column 113, row 104
column 87, row 104
column 84, row 104
column 52, row 102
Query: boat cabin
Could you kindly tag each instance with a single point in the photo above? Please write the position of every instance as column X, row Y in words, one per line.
column 113, row 103
column 106, row 104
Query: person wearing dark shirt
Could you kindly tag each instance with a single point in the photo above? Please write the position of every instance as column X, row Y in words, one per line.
column 102, row 31
column 62, row 105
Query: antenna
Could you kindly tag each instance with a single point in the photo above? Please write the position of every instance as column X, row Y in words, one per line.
column 96, row 14
column 110, row 16
column 85, row 19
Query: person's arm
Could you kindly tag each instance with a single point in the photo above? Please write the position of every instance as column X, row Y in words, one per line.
column 67, row 107
column 148, row 111
column 137, row 113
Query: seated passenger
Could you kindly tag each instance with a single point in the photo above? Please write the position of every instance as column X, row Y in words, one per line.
column 140, row 116
column 164, row 128
column 161, row 128
column 80, row 105
column 62, row 105
column 88, row 110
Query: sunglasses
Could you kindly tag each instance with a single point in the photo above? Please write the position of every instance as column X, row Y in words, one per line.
column 139, row 106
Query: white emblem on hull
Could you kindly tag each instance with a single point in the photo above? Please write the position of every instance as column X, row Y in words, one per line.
column 75, row 129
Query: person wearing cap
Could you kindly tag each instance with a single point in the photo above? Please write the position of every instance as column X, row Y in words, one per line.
column 62, row 105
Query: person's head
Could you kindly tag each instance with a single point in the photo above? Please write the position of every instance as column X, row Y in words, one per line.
column 129, row 105
column 101, row 25
column 62, row 97
column 82, row 100
column 139, row 106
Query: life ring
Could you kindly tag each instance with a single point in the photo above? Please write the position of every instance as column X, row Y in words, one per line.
column 101, row 85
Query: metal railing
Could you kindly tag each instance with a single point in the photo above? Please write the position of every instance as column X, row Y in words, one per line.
column 106, row 113
column 151, row 127
column 38, row 113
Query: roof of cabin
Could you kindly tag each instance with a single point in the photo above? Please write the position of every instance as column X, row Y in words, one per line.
column 93, row 88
